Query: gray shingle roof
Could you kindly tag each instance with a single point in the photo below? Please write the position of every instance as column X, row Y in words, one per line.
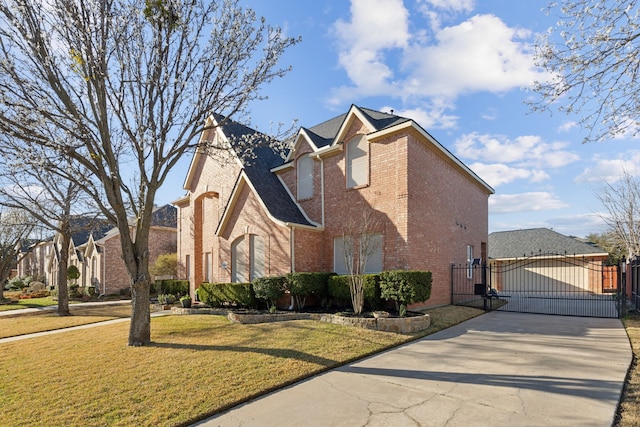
column 269, row 188
column 524, row 243
column 258, row 169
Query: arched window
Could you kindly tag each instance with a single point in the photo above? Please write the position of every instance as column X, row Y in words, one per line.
column 246, row 266
column 305, row 177
column 357, row 159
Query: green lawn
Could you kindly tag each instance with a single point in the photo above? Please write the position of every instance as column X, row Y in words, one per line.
column 196, row 366
column 28, row 303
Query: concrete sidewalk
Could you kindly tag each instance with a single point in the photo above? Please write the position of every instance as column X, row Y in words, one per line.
column 499, row 369
column 50, row 308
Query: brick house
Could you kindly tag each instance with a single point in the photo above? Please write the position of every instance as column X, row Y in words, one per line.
column 32, row 259
column 97, row 253
column 269, row 216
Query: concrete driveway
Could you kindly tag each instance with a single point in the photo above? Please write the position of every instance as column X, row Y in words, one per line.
column 499, row 369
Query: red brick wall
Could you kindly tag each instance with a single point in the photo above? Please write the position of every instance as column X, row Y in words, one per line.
column 248, row 217
column 114, row 271
column 447, row 212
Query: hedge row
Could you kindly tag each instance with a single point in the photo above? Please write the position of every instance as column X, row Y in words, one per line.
column 404, row 287
column 173, row 287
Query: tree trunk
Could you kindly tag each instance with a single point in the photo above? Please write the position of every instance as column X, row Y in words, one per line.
column 140, row 327
column 63, row 290
column 357, row 293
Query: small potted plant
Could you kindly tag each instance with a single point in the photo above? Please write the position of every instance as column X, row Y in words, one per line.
column 186, row 301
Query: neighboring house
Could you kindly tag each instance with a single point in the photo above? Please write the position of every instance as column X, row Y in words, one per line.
column 268, row 216
column 33, row 258
column 542, row 260
column 97, row 252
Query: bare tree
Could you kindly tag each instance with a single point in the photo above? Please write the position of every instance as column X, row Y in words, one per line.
column 622, row 203
column 31, row 182
column 359, row 243
column 592, row 55
column 123, row 87
column 15, row 227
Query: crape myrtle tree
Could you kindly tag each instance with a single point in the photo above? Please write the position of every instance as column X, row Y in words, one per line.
column 15, row 227
column 592, row 56
column 359, row 243
column 30, row 181
column 621, row 201
column 124, row 88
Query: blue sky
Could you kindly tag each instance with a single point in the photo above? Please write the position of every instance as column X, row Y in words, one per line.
column 461, row 69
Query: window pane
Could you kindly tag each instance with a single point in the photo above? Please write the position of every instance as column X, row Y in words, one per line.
column 305, row 177
column 338, row 256
column 357, row 162
column 238, row 261
column 257, row 257
column 374, row 261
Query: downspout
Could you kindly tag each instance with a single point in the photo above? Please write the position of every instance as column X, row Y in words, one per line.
column 104, row 271
column 293, row 259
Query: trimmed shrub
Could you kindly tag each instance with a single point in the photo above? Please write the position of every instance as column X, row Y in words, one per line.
column 171, row 286
column 227, row 294
column 405, row 287
column 269, row 289
column 338, row 288
column 303, row 285
column 18, row 283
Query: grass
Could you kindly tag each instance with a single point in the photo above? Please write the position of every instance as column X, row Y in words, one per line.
column 196, row 366
column 22, row 325
column 629, row 408
column 27, row 303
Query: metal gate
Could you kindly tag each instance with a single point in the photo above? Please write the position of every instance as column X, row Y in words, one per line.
column 544, row 284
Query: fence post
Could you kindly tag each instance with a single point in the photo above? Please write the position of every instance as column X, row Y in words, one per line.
column 622, row 288
column 452, row 281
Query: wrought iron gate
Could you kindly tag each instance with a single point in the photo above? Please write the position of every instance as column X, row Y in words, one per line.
column 545, row 283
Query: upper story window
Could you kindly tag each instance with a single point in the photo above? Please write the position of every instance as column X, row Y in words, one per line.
column 305, row 177
column 357, row 159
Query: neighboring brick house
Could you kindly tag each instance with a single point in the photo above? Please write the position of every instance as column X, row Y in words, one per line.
column 98, row 254
column 32, row 259
column 270, row 217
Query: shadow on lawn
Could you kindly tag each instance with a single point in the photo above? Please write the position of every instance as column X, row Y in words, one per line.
column 285, row 353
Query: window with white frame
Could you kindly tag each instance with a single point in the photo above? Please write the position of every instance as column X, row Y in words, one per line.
column 374, row 254
column 371, row 246
column 304, row 169
column 208, row 267
column 238, row 260
column 357, row 159
column 246, row 266
column 256, row 257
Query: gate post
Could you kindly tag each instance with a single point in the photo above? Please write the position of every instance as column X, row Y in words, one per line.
column 622, row 288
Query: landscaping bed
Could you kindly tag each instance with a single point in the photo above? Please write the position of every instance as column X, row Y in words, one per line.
column 413, row 322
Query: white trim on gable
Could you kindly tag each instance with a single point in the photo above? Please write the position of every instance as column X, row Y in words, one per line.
column 301, row 134
column 211, row 125
column 354, row 112
column 233, row 199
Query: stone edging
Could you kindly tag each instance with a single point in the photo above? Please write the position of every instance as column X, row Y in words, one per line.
column 401, row 325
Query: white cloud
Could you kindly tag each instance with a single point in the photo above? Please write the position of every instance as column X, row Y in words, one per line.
column 498, row 174
column 480, row 54
column 383, row 57
column 524, row 202
column 611, row 169
column 452, row 5
column 567, row 126
column 434, row 116
column 524, row 151
column 376, row 25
